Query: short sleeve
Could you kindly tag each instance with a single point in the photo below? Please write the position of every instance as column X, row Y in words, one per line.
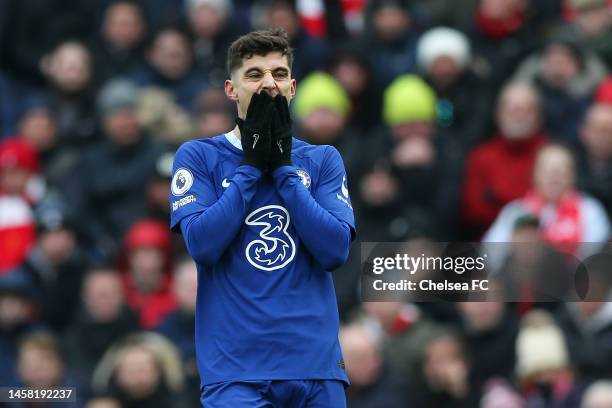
column 191, row 189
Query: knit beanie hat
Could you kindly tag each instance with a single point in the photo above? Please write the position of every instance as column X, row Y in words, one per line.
column 17, row 153
column 443, row 41
column 409, row 99
column 540, row 345
column 320, row 90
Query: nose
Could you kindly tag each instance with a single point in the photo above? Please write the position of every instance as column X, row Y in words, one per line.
column 268, row 83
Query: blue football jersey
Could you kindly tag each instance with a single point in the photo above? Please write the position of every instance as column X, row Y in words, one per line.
column 266, row 306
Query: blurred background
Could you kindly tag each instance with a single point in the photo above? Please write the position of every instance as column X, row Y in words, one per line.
column 458, row 120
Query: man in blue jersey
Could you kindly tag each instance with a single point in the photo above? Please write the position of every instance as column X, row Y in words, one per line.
column 265, row 216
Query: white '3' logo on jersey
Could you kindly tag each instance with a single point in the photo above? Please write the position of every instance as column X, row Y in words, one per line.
column 275, row 248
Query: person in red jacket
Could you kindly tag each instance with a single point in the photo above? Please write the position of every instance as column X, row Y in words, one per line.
column 19, row 165
column 499, row 170
column 146, row 272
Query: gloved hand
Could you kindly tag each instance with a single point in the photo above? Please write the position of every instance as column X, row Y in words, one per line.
column 281, row 134
column 255, row 131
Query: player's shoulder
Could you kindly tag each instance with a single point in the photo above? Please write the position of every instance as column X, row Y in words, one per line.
column 205, row 150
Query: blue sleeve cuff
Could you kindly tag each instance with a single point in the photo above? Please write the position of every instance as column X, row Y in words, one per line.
column 283, row 171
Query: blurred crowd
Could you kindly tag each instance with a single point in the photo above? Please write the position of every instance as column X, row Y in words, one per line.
column 457, row 121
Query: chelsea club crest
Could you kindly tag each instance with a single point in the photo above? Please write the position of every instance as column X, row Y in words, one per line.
column 305, row 177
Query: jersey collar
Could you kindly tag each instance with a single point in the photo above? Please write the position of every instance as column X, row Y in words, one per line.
column 233, row 139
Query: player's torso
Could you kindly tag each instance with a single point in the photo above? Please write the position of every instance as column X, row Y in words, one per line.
column 267, row 255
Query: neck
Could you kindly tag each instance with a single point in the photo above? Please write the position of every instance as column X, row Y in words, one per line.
column 236, row 131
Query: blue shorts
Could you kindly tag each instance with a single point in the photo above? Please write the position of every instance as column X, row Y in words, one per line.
column 275, row 394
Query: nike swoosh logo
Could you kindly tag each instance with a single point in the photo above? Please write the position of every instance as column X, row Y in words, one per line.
column 256, row 137
column 225, row 183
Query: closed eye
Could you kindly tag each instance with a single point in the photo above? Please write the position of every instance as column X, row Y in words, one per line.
column 281, row 73
column 253, row 74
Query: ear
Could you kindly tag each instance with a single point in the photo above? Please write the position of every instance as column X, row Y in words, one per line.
column 230, row 90
column 293, row 88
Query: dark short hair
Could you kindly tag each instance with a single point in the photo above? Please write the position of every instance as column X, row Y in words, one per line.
column 261, row 43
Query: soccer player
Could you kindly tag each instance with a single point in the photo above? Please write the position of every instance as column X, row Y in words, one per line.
column 265, row 216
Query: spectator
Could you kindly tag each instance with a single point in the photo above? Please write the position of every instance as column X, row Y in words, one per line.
column 351, row 67
column 119, row 45
column 19, row 189
column 587, row 325
column 171, row 67
column 162, row 118
column 147, row 273
column 373, row 384
column 38, row 125
column 445, row 376
column 426, row 165
column 534, row 273
column 489, row 330
column 403, row 330
column 179, row 326
column 313, row 51
column 390, row 36
column 445, row 59
column 378, row 204
column 509, row 155
column 321, row 109
column 210, row 23
column 502, row 33
column 40, row 365
column 68, row 71
column 569, row 218
column 595, row 159
column 214, row 113
column 598, row 395
column 102, row 319
column 591, row 27
column 18, row 316
column 142, row 371
column 543, row 368
column 111, row 179
column 566, row 78
column 56, row 263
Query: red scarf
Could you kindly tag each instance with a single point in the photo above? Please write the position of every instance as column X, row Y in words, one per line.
column 497, row 29
column 565, row 227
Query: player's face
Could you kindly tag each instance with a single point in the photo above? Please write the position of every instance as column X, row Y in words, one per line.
column 269, row 73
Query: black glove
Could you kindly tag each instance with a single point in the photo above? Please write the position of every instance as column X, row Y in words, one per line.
column 255, row 131
column 281, row 134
